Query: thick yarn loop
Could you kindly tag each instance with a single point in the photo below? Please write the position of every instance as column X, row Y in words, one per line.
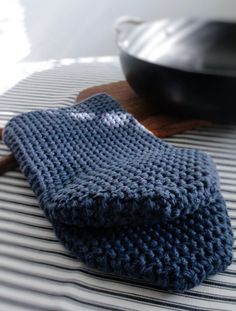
column 120, row 199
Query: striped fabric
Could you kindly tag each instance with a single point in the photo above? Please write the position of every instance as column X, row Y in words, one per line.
column 36, row 273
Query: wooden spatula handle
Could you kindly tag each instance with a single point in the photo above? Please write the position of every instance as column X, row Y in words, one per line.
column 7, row 162
column 1, row 133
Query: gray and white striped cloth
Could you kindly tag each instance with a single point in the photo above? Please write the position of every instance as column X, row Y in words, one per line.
column 36, row 272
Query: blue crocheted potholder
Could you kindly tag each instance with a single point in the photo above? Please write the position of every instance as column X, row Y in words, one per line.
column 119, row 198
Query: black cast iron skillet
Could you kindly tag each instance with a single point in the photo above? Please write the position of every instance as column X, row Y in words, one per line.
column 185, row 66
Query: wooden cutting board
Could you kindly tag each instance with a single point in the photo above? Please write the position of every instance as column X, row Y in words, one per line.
column 161, row 125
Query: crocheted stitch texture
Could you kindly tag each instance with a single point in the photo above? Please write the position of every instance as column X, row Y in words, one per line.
column 177, row 254
column 93, row 166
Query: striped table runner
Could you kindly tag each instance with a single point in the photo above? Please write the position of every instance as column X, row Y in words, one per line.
column 36, row 272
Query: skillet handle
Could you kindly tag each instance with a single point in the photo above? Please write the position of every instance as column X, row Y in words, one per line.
column 123, row 21
column 7, row 162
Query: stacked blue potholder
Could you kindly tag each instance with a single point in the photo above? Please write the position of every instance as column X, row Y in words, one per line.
column 120, row 199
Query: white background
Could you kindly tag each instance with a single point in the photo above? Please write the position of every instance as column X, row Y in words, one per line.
column 35, row 33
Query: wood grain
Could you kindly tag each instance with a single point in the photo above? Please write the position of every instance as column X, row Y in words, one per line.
column 161, row 125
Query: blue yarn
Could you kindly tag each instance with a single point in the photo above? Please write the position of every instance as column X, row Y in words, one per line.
column 119, row 198
column 177, row 254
